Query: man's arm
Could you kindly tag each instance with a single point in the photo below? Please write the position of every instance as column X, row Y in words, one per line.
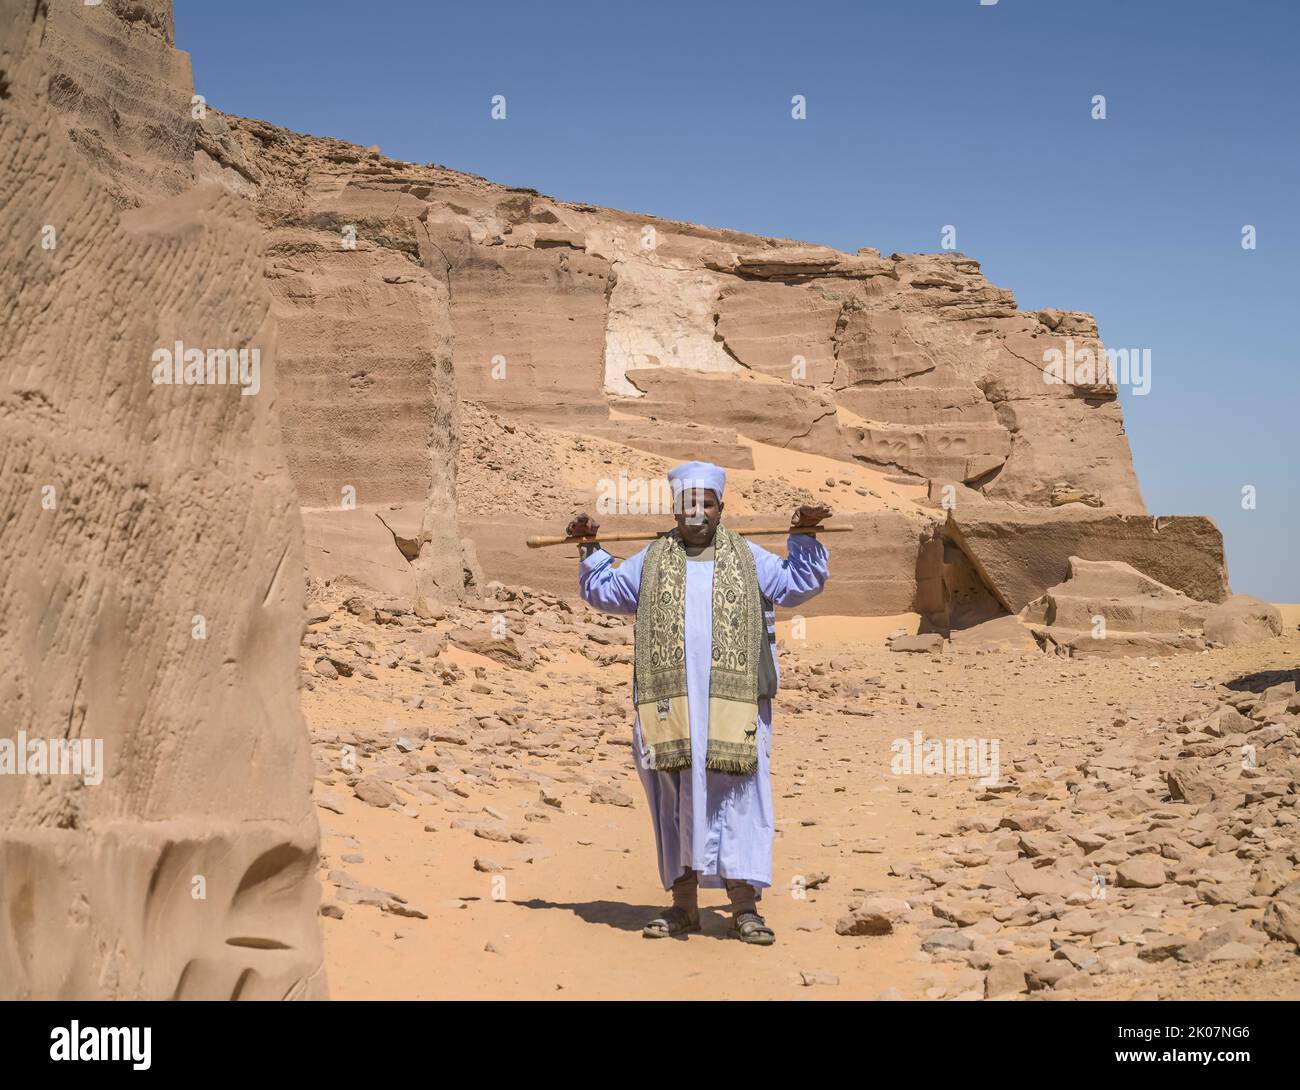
column 804, row 571
column 603, row 586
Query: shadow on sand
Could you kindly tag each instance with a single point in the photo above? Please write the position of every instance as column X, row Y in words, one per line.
column 714, row 923
column 1258, row 682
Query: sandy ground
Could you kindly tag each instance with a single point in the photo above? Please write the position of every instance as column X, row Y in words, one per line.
column 563, row 916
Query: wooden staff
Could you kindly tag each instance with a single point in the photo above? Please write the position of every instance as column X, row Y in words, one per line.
column 650, row 535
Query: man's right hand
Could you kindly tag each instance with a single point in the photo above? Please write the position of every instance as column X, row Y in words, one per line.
column 582, row 526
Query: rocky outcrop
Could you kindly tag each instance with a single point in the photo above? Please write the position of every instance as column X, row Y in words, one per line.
column 122, row 94
column 1020, row 553
column 1109, row 608
column 1121, row 596
column 776, row 413
column 1242, row 620
column 388, row 276
column 153, row 596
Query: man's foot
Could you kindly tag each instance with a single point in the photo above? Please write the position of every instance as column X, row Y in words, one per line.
column 751, row 927
column 672, row 921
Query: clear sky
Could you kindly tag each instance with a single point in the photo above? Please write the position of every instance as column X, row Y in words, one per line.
column 920, row 114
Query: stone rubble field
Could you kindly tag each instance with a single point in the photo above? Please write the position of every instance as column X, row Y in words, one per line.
column 481, row 813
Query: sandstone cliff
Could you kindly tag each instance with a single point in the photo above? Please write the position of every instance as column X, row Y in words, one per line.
column 153, row 596
column 405, row 290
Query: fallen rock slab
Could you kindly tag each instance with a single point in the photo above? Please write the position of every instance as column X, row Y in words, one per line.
column 1021, row 553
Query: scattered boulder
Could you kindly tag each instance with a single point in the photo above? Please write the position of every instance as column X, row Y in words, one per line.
column 1282, row 921
column 503, row 649
column 1141, row 872
column 375, row 792
column 360, row 608
column 610, row 795
column 342, row 667
column 864, row 921
column 1005, row 633
column 1005, row 977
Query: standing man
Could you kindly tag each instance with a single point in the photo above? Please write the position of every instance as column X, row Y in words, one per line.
column 704, row 678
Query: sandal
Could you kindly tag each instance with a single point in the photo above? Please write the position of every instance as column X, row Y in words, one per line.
column 751, row 927
column 672, row 921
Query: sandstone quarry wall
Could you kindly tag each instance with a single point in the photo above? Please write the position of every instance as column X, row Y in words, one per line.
column 631, row 328
column 361, row 289
column 153, row 591
column 406, row 292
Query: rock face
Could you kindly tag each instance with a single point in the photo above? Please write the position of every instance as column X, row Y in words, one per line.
column 407, row 296
column 409, row 293
column 153, row 596
column 122, row 93
column 360, row 290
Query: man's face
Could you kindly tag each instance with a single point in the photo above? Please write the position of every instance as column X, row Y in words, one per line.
column 698, row 512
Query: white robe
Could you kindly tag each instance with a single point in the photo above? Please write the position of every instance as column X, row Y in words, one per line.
column 718, row 823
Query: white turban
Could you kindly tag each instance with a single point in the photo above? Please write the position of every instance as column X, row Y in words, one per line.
column 696, row 475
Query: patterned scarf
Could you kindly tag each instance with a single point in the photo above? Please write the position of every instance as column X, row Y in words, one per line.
column 739, row 638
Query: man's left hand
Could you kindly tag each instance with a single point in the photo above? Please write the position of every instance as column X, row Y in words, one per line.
column 810, row 514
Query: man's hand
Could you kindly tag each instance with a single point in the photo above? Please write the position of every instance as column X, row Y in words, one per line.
column 810, row 514
column 582, row 526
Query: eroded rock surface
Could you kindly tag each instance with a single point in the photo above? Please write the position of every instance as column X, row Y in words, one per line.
column 153, row 595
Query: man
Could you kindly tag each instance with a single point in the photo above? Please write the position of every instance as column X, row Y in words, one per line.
column 704, row 677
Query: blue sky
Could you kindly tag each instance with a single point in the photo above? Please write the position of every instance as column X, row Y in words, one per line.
column 920, row 113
